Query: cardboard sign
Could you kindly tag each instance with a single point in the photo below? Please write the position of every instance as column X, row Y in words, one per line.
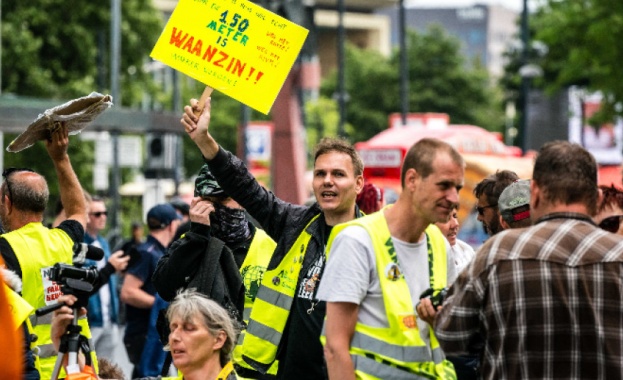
column 233, row 46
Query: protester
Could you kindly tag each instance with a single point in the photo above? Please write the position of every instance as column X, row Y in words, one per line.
column 202, row 337
column 610, row 210
column 462, row 253
column 380, row 264
column 370, row 199
column 138, row 291
column 29, row 248
column 487, row 193
column 136, row 238
column 288, row 331
column 221, row 252
column 514, row 205
column 103, row 307
column 545, row 301
column 183, row 209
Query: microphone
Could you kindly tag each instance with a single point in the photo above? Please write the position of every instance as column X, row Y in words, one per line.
column 83, row 251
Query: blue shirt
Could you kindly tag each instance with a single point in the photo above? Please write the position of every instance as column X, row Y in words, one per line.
column 149, row 253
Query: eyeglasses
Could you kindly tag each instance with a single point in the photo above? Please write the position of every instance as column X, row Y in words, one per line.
column 611, row 223
column 481, row 210
column 99, row 213
column 7, row 172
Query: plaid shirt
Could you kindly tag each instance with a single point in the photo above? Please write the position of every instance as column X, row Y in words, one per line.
column 546, row 302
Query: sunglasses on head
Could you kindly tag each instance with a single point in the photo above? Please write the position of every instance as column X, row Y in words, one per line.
column 481, row 210
column 99, row 213
column 611, row 223
column 7, row 172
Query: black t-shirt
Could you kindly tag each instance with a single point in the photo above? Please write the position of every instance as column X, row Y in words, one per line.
column 302, row 357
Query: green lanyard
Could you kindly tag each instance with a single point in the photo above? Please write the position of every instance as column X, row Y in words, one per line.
column 394, row 257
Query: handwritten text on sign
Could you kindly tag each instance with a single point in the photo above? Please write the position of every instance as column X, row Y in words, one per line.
column 233, row 46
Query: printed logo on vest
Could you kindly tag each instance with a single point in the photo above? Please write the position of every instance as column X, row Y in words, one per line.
column 51, row 290
column 393, row 272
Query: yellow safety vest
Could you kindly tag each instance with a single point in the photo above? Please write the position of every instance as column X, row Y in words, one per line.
column 398, row 351
column 37, row 249
column 252, row 271
column 272, row 306
column 225, row 374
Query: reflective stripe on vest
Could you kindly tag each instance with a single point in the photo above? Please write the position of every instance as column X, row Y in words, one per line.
column 272, row 306
column 252, row 270
column 37, row 247
column 398, row 347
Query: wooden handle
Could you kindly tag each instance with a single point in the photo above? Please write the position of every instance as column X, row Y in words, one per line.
column 202, row 101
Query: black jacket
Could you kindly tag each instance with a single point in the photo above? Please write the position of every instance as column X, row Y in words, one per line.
column 282, row 221
column 187, row 263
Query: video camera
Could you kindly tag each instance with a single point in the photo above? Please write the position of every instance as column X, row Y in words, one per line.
column 74, row 279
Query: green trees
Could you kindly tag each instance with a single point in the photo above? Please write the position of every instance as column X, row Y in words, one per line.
column 583, row 38
column 439, row 81
column 53, row 48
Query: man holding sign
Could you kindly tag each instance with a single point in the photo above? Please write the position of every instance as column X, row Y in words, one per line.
column 286, row 319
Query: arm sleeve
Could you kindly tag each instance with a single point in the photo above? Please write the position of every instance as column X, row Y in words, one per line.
column 181, row 261
column 10, row 260
column 272, row 213
column 73, row 229
column 103, row 275
column 347, row 275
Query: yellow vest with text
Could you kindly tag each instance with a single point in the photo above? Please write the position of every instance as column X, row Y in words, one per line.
column 252, row 271
column 272, row 306
column 397, row 352
column 37, row 248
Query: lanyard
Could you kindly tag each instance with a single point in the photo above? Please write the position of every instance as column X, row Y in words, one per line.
column 394, row 257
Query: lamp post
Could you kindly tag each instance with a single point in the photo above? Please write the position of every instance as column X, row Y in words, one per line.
column 341, row 87
column 525, row 81
column 404, row 73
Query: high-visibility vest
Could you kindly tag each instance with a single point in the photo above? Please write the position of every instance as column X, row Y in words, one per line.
column 227, row 373
column 252, row 270
column 397, row 351
column 37, row 249
column 272, row 306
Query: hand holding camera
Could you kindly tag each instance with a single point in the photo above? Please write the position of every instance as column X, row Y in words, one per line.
column 430, row 302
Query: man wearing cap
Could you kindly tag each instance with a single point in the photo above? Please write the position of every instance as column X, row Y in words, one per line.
column 138, row 291
column 222, row 251
column 514, row 205
column 487, row 193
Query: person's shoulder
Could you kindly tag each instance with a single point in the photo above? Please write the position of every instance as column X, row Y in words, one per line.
column 73, row 228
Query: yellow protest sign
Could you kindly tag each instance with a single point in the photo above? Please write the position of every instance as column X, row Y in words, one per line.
column 233, row 46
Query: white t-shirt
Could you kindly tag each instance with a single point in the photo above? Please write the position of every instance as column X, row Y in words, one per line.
column 462, row 255
column 351, row 276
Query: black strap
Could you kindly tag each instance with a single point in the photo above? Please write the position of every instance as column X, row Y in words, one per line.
column 167, row 364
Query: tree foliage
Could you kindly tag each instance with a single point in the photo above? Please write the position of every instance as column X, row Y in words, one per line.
column 583, row 39
column 439, row 81
column 60, row 50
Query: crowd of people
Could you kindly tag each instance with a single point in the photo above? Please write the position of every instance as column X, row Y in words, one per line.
column 241, row 284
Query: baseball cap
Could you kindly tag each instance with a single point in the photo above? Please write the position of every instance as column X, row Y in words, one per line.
column 161, row 216
column 180, row 205
column 206, row 185
column 513, row 200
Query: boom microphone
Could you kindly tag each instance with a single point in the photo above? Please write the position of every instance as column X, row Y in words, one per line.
column 83, row 251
